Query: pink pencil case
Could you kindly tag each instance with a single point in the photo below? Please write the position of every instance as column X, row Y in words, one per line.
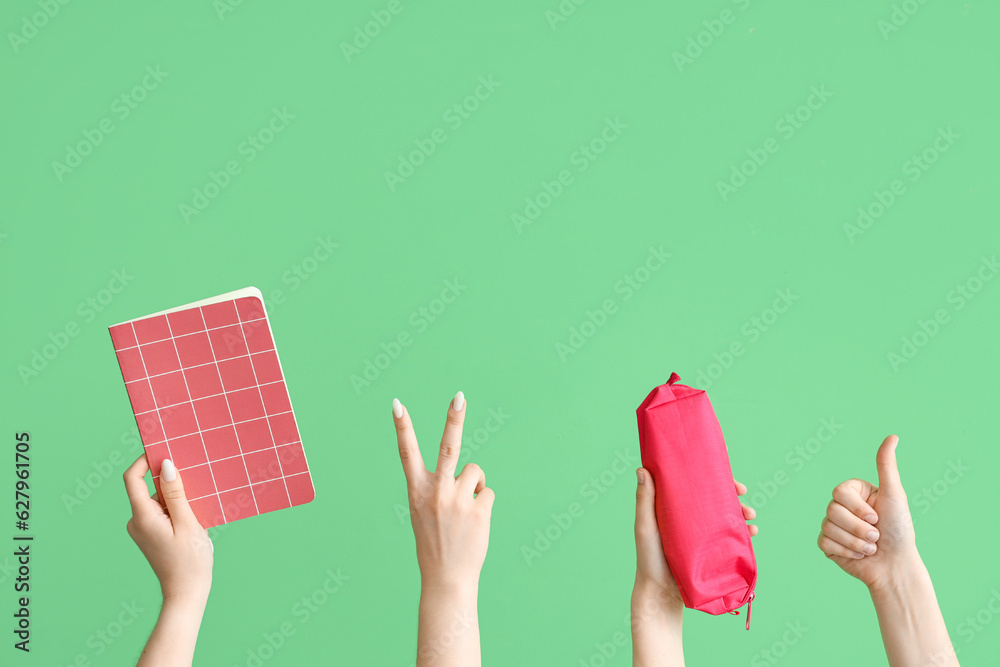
column 705, row 537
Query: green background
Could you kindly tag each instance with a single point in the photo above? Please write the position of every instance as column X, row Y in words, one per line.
column 655, row 186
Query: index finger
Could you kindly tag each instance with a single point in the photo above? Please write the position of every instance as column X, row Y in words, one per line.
column 409, row 450
column 854, row 494
column 135, row 486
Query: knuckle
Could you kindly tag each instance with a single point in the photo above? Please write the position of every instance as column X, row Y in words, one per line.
column 173, row 494
column 448, row 450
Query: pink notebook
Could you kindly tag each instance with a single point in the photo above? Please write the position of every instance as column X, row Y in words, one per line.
column 208, row 393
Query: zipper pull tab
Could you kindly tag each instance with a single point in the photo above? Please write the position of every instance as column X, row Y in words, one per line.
column 749, row 607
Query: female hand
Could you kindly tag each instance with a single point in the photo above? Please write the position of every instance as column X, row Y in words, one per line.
column 652, row 575
column 657, row 609
column 180, row 553
column 868, row 529
column 450, row 515
column 176, row 546
column 868, row 532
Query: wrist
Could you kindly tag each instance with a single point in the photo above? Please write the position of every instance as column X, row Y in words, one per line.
column 458, row 589
column 902, row 575
column 650, row 595
column 186, row 597
column 655, row 612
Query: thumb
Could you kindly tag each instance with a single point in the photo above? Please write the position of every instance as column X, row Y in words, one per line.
column 647, row 532
column 172, row 493
column 888, row 473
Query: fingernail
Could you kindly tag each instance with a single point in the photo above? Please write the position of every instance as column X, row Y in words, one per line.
column 872, row 536
column 638, row 473
column 168, row 471
column 858, row 555
column 871, row 518
column 211, row 544
column 458, row 402
column 397, row 408
column 869, row 549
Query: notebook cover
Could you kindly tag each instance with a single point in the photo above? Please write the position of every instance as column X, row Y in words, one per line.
column 208, row 392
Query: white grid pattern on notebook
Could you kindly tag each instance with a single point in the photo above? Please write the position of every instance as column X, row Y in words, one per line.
column 265, row 441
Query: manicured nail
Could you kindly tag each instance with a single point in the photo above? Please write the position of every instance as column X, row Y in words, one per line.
column 458, row 402
column 872, row 536
column 642, row 479
column 168, row 471
column 871, row 518
column 397, row 408
column 869, row 549
column 211, row 544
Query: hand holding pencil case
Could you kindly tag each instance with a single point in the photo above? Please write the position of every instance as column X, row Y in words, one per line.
column 705, row 537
